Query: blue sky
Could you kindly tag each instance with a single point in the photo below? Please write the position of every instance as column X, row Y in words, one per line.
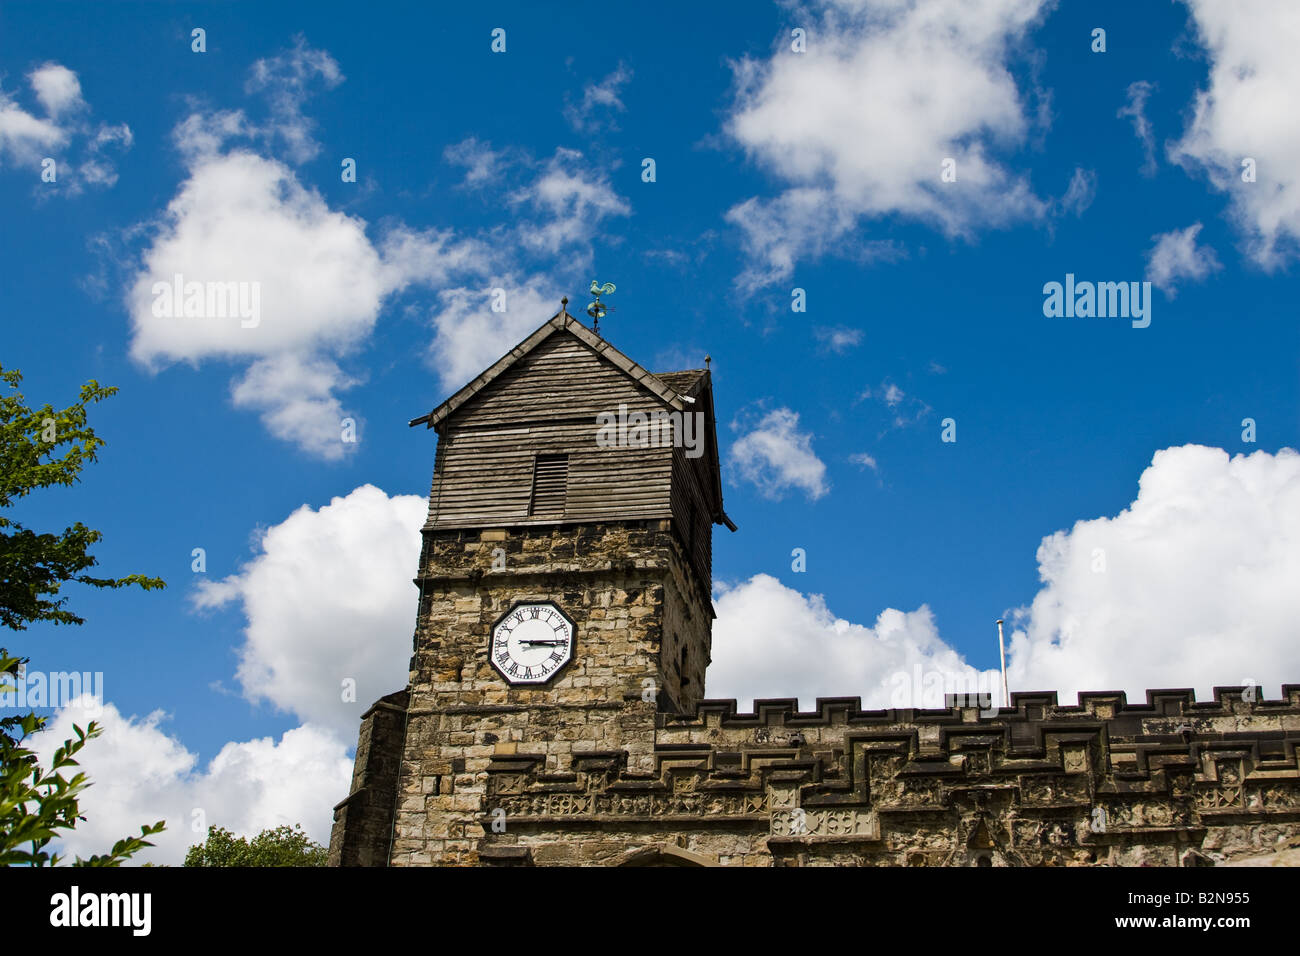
column 774, row 171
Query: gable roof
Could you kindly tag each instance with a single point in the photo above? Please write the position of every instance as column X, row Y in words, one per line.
column 560, row 322
column 681, row 382
column 672, row 388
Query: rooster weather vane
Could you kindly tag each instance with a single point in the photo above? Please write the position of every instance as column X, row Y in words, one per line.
column 597, row 308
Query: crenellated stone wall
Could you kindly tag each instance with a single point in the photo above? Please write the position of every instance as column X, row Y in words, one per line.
column 1172, row 782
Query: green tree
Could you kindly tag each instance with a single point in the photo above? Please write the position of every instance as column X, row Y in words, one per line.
column 42, row 448
column 283, row 846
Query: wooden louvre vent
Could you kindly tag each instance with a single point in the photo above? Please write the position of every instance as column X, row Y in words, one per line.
column 550, row 478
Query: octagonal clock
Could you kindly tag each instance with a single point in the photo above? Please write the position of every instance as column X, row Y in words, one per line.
column 531, row 642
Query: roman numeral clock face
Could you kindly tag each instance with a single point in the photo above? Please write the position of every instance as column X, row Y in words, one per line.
column 531, row 642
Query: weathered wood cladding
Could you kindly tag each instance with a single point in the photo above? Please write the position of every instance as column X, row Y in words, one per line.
column 695, row 499
column 560, row 379
column 547, row 403
column 692, row 516
column 487, row 476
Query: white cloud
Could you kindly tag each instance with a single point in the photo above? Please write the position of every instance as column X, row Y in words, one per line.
column 328, row 598
column 1135, row 109
column 1192, row 585
column 800, row 223
column 1248, row 111
column 26, row 139
column 771, row 641
column 1198, row 586
column 859, row 125
column 839, row 338
column 320, row 283
column 482, row 163
column 776, row 456
column 57, row 88
column 863, row 460
column 243, row 218
column 295, row 397
column 904, row 409
column 139, row 774
column 1080, row 193
column 287, row 80
column 585, row 116
column 1176, row 256
column 570, row 201
column 471, row 336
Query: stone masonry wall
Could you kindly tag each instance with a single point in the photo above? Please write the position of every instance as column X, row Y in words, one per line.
column 611, row 579
column 1172, row 782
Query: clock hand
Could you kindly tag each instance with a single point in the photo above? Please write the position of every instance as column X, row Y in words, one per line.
column 550, row 642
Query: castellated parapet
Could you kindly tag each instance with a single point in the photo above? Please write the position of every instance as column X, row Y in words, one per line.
column 1172, row 782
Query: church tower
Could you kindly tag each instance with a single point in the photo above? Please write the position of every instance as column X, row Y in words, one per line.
column 564, row 593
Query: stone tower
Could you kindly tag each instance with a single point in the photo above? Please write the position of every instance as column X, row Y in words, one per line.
column 564, row 592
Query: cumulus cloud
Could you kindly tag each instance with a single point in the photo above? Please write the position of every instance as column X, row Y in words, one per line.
column 1192, row 585
column 140, row 774
column 858, row 126
column 800, row 223
column 311, row 281
column 777, row 457
column 295, row 397
column 1247, row 112
column 244, row 218
column 773, row 641
column 244, row 222
column 328, row 599
column 471, row 336
column 27, row 139
column 57, row 88
column 1176, row 257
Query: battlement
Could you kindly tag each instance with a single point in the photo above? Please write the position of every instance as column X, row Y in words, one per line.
column 1171, row 781
column 1027, row 706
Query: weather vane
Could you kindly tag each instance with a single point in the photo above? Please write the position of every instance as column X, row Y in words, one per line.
column 597, row 308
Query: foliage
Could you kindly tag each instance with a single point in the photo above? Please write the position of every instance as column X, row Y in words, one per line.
column 283, row 846
column 35, row 803
column 43, row 448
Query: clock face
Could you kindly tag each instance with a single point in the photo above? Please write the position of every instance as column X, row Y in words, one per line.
column 532, row 642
